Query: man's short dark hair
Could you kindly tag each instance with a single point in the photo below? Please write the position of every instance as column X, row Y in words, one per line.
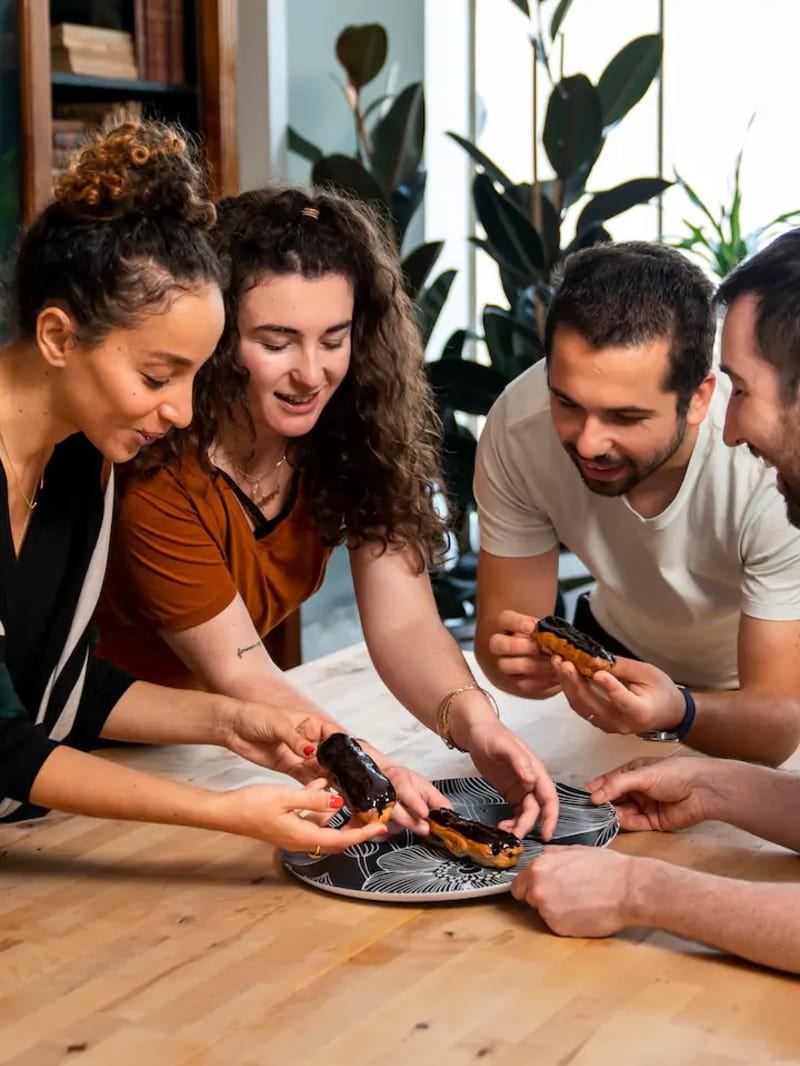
column 621, row 295
column 773, row 277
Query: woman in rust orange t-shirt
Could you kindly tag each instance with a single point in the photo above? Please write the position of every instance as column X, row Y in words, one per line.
column 313, row 426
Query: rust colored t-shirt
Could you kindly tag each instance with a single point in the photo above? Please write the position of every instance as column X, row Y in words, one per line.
column 182, row 546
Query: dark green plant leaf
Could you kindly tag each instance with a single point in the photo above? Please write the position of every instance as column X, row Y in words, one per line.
column 698, row 203
column 558, row 17
column 454, row 347
column 513, row 345
column 573, row 127
column 497, row 337
column 462, row 385
column 348, row 174
column 298, row 143
column 483, row 161
column 594, row 233
column 418, row 264
column 508, row 229
column 404, row 201
column 550, row 229
column 628, row 77
column 612, row 202
column 398, row 139
column 523, row 6
column 520, row 279
column 430, row 302
column 575, row 185
column 362, row 52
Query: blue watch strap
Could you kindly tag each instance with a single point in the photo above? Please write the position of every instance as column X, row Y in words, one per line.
column 688, row 718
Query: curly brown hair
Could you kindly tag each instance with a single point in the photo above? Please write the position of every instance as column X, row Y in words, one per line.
column 127, row 230
column 370, row 465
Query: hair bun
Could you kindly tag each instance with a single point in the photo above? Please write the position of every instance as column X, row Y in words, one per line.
column 137, row 167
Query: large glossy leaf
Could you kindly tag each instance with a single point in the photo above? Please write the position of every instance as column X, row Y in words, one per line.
column 550, row 229
column 573, row 127
column 559, row 15
column 430, row 302
column 461, row 385
column 519, row 278
column 348, row 174
column 513, row 345
column 594, row 233
column 398, row 139
column 628, row 77
column 298, row 143
column 508, row 229
column 612, row 202
column 404, row 201
column 483, row 161
column 362, row 52
column 418, row 265
column 454, row 346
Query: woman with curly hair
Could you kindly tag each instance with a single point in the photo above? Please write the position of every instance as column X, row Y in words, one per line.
column 314, row 426
column 117, row 300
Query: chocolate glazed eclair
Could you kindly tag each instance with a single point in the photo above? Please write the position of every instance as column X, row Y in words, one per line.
column 556, row 636
column 369, row 794
column 483, row 844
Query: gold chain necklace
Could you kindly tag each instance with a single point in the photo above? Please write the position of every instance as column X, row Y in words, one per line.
column 262, row 499
column 32, row 502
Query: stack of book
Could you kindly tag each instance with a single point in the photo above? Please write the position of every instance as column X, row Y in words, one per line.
column 92, row 50
column 73, row 123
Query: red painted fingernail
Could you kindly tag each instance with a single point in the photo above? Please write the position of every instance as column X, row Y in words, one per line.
column 308, row 749
column 336, row 801
column 384, row 831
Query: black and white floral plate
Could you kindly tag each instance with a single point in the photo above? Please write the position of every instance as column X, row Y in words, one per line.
column 405, row 868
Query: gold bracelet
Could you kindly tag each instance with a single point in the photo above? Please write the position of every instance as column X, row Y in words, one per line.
column 443, row 712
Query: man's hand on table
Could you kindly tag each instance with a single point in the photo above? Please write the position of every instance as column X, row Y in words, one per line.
column 633, row 698
column 579, row 891
column 666, row 794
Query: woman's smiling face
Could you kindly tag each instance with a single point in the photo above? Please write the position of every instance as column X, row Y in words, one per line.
column 294, row 339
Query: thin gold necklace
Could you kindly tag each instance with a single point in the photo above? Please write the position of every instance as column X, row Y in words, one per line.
column 262, row 499
column 30, row 503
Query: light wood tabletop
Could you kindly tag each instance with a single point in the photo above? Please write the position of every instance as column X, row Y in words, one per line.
column 125, row 944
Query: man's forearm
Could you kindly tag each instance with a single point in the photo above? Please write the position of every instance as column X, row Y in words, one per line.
column 759, row 922
column 758, row 799
column 742, row 724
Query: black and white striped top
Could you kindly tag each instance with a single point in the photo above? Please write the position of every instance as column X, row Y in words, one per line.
column 52, row 689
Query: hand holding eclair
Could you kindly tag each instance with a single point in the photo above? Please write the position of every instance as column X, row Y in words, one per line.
column 527, row 669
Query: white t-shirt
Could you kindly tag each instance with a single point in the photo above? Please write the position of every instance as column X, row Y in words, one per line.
column 670, row 587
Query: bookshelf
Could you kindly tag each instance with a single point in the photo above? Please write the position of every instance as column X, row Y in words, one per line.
column 204, row 101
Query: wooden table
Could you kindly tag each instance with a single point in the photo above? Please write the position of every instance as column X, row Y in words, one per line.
column 124, row 944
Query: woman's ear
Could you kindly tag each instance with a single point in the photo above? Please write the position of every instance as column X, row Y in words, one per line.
column 55, row 335
column 701, row 400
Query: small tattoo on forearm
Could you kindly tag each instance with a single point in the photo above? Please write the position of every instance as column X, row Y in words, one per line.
column 242, row 651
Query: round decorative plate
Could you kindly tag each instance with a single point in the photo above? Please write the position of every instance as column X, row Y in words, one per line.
column 406, row 868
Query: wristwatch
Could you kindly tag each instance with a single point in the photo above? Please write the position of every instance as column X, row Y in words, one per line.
column 680, row 731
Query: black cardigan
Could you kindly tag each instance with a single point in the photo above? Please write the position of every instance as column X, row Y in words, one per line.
column 52, row 689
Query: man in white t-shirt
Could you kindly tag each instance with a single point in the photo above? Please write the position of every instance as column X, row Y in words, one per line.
column 614, row 448
column 592, row 892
